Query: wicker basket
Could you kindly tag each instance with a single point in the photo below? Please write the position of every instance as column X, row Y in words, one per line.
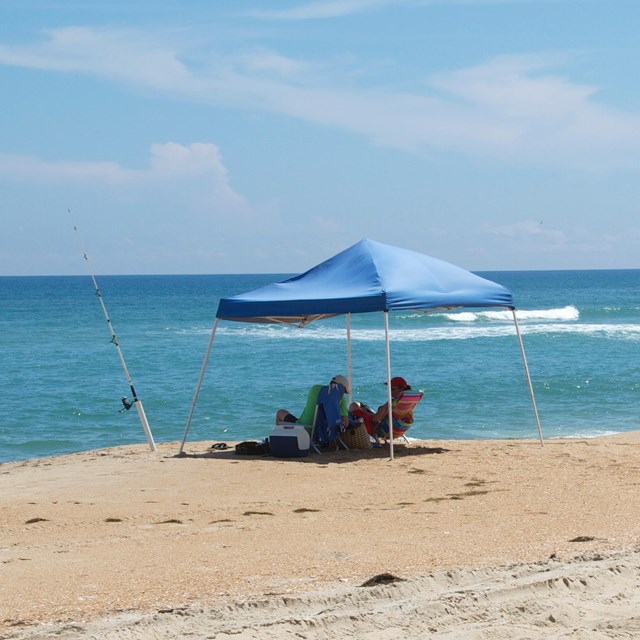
column 357, row 438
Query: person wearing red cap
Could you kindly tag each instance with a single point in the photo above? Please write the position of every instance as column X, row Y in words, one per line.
column 381, row 417
column 374, row 421
column 399, row 383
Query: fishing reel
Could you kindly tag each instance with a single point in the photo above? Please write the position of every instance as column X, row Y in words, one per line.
column 126, row 405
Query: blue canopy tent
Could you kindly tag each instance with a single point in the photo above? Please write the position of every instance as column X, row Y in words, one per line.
column 368, row 276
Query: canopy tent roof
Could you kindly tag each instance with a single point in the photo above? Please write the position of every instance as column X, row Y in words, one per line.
column 368, row 276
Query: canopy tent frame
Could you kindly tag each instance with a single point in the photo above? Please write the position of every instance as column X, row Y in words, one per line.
column 367, row 277
column 349, row 371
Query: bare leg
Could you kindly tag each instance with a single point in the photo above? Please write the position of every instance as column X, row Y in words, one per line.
column 284, row 416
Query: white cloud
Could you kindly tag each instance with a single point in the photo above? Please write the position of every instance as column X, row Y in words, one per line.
column 321, row 10
column 20, row 167
column 178, row 213
column 535, row 242
column 170, row 166
column 508, row 85
column 126, row 55
column 547, row 118
column 167, row 161
column 519, row 244
column 528, row 230
column 512, row 108
column 266, row 61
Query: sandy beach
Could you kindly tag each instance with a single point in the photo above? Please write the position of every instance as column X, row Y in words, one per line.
column 453, row 539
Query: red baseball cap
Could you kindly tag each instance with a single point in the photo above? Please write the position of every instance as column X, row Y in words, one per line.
column 398, row 383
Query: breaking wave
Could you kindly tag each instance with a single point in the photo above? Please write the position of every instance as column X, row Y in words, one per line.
column 564, row 314
column 418, row 327
column 440, row 332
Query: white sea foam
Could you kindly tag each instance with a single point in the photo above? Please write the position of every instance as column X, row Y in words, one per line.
column 617, row 331
column 442, row 332
column 566, row 314
column 596, row 433
column 424, row 333
column 463, row 325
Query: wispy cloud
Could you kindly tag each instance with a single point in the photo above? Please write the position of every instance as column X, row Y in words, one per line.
column 511, row 108
column 529, row 231
column 21, row 167
column 121, row 54
column 524, row 241
column 322, row 10
column 170, row 165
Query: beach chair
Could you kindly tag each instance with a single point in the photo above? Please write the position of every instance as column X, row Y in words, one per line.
column 402, row 415
column 327, row 424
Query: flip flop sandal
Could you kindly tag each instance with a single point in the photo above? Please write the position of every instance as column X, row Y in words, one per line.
column 219, row 445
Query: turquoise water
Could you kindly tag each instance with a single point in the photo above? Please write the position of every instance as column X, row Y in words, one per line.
column 62, row 380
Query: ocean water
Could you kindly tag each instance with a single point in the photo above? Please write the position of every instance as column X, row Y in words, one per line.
column 62, row 380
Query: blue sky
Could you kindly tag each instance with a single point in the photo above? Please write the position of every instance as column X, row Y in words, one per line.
column 236, row 136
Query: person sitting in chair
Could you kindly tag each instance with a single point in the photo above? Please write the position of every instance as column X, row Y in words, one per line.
column 308, row 413
column 376, row 422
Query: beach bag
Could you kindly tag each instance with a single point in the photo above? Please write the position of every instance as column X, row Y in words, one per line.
column 357, row 437
column 366, row 415
column 252, row 448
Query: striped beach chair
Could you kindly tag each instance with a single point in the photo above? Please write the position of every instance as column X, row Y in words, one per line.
column 401, row 414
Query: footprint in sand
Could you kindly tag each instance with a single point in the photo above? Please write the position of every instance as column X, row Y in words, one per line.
column 171, row 521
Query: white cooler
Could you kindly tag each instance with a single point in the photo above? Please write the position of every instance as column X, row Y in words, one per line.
column 289, row 441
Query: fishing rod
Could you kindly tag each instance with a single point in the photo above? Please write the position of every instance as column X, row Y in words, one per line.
column 126, row 405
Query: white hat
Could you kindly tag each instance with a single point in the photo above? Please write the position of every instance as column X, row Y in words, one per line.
column 343, row 381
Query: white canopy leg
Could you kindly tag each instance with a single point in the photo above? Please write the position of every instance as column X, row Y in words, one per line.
column 389, row 398
column 526, row 371
column 349, row 373
column 200, row 379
